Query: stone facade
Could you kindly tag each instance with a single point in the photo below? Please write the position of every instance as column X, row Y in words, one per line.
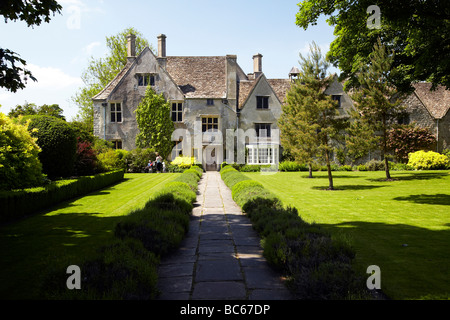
column 220, row 112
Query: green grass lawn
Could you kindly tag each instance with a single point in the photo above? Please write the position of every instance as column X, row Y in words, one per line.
column 68, row 232
column 402, row 226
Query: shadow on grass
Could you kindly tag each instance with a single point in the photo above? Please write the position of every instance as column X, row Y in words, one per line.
column 406, row 176
column 347, row 187
column 438, row 199
column 405, row 254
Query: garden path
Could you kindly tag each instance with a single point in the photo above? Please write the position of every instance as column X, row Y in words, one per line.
column 221, row 257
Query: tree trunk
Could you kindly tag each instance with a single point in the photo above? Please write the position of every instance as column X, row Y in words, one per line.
column 386, row 162
column 330, row 176
column 310, row 170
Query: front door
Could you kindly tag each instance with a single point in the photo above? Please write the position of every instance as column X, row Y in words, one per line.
column 211, row 159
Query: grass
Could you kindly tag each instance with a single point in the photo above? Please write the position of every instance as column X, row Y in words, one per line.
column 67, row 233
column 402, row 226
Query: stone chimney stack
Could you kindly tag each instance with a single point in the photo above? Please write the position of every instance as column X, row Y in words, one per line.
column 131, row 47
column 257, row 65
column 162, row 46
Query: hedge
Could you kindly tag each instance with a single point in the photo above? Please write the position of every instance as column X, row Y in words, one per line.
column 127, row 268
column 18, row 203
column 317, row 265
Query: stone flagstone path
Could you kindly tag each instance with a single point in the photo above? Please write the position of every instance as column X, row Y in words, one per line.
column 221, row 257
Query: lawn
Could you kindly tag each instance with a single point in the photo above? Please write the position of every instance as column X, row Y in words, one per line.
column 67, row 233
column 402, row 226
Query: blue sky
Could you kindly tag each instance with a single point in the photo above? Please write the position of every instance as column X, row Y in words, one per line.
column 58, row 52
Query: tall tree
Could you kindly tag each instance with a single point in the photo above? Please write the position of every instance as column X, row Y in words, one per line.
column 29, row 109
column 33, row 12
column 101, row 71
column 376, row 97
column 154, row 123
column 418, row 31
column 309, row 119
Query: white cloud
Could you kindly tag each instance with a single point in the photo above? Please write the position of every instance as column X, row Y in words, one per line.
column 51, row 78
column 90, row 47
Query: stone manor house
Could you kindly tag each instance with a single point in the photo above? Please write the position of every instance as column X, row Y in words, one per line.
column 220, row 112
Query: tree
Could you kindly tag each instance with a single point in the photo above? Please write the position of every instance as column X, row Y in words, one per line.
column 154, row 123
column 29, row 109
column 405, row 139
column 310, row 119
column 12, row 67
column 101, row 71
column 376, row 98
column 19, row 163
column 418, row 31
column 58, row 143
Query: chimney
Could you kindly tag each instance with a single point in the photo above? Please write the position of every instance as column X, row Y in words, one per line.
column 162, row 46
column 257, row 65
column 131, row 47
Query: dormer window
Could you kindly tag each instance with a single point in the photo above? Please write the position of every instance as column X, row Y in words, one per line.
column 146, row 79
column 262, row 102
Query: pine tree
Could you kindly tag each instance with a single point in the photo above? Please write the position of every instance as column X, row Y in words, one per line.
column 154, row 123
column 376, row 98
column 308, row 122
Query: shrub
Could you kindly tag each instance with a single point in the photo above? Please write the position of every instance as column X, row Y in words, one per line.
column 58, row 142
column 184, row 162
column 17, row 203
column 138, row 159
column 361, row 167
column 375, row 165
column 290, row 166
column 122, row 270
column 112, row 159
column 250, row 168
column 85, row 160
column 421, row 160
column 19, row 163
column 406, row 139
column 231, row 176
column 345, row 168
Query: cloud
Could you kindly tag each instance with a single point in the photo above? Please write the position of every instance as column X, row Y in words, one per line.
column 51, row 78
column 90, row 47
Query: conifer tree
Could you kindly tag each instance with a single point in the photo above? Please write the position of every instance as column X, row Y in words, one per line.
column 376, row 98
column 309, row 118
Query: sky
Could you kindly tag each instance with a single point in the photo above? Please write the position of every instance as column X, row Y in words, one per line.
column 58, row 52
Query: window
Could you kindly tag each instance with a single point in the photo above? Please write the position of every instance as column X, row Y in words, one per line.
column 177, row 111
column 210, row 124
column 117, row 144
column 262, row 154
column 116, row 112
column 146, row 79
column 262, row 130
column 209, row 102
column 337, row 98
column 262, row 102
column 403, row 118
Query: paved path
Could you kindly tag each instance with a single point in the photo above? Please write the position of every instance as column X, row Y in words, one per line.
column 221, row 257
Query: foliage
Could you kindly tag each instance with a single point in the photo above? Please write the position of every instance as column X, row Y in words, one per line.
column 292, row 166
column 376, row 98
column 309, row 119
column 29, row 109
column 154, row 123
column 406, row 139
column 184, row 162
column 418, row 31
column 112, row 160
column 58, row 143
column 19, row 163
column 138, row 159
column 428, row 160
column 12, row 76
column 18, row 203
column 101, row 71
column 85, row 159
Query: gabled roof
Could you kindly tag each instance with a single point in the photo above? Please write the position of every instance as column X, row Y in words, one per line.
column 199, row 77
column 437, row 102
column 279, row 87
column 104, row 94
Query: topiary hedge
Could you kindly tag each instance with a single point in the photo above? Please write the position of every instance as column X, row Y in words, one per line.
column 58, row 144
